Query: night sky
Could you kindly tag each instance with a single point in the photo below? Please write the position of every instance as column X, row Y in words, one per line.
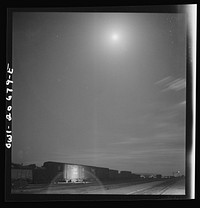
column 102, row 89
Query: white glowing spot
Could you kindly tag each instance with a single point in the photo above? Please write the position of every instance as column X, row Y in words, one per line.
column 115, row 37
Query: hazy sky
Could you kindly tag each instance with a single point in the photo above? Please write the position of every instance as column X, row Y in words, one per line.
column 103, row 89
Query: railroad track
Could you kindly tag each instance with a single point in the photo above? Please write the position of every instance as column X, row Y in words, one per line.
column 134, row 188
column 158, row 189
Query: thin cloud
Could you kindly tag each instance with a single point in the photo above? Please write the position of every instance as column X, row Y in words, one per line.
column 169, row 83
column 182, row 103
column 127, row 141
column 176, row 85
column 164, row 80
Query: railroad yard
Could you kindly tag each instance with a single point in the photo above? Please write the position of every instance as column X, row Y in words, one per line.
column 174, row 186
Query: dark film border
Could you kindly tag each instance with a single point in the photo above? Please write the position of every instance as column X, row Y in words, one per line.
column 189, row 105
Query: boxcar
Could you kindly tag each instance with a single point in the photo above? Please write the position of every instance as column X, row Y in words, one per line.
column 25, row 174
column 113, row 174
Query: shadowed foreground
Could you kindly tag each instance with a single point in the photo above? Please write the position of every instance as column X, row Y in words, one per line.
column 175, row 186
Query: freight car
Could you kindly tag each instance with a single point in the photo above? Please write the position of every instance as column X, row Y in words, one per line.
column 40, row 175
column 102, row 173
column 113, row 174
column 21, row 177
column 54, row 172
column 25, row 174
column 125, row 175
column 78, row 173
column 135, row 176
column 68, row 172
